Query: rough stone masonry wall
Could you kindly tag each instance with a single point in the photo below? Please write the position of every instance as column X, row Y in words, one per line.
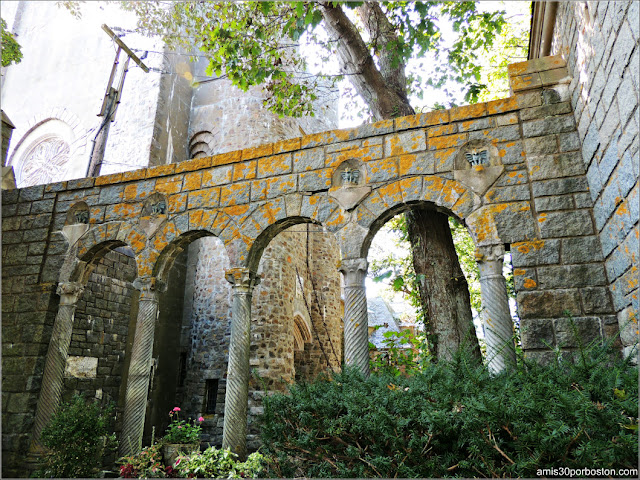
column 600, row 43
column 100, row 331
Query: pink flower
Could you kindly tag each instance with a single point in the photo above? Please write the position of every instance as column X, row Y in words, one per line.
column 179, row 426
column 176, row 409
column 201, row 419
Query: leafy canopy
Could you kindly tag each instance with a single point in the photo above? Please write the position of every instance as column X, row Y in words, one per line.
column 253, row 43
column 11, row 51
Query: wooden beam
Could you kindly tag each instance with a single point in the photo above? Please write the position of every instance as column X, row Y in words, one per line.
column 120, row 43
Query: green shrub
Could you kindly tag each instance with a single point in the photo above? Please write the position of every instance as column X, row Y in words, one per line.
column 456, row 419
column 214, row 463
column 78, row 436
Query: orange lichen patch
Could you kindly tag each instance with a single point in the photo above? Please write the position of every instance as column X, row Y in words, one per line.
column 435, row 117
column 131, row 192
column 336, row 219
column 108, row 179
column 133, row 175
column 365, row 154
column 622, row 209
column 325, row 137
column 270, row 213
column 216, row 176
column 529, row 283
column 542, row 217
column 468, row 111
column 136, row 241
column 177, row 203
column 125, row 210
column 464, row 204
column 96, row 215
column 256, row 152
column 452, row 192
column 431, row 188
column 525, row 82
column 390, row 194
column 192, row 181
column 225, row 158
column 207, row 197
column 388, row 167
column 410, row 121
column 519, row 271
column 220, row 222
column 526, row 247
column 258, row 190
column 286, row 183
column 244, row 171
column 160, row 239
column 169, row 185
column 447, row 141
column 405, row 163
column 193, row 164
column 482, row 223
column 161, row 170
column 286, row 145
column 502, row 105
column 442, row 130
column 313, row 199
column 441, row 158
column 234, row 193
column 276, row 165
column 410, row 188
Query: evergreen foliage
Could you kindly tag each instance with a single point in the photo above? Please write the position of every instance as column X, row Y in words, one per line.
column 456, row 419
column 78, row 436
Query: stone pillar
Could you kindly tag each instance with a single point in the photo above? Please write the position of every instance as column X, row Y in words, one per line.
column 234, row 435
column 135, row 403
column 356, row 321
column 496, row 316
column 56, row 361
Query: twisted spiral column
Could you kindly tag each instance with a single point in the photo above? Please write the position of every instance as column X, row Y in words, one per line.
column 356, row 321
column 234, row 434
column 135, row 403
column 56, row 361
column 496, row 316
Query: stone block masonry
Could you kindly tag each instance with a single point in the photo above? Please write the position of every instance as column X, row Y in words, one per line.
column 529, row 191
column 600, row 42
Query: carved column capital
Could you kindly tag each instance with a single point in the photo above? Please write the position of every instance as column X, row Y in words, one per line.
column 70, row 292
column 488, row 253
column 354, row 271
column 241, row 278
column 149, row 287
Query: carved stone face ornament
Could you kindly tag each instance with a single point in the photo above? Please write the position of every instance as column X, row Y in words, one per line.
column 350, row 177
column 477, row 157
column 159, row 208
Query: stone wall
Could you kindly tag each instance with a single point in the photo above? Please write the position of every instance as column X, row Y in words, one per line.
column 531, row 193
column 600, row 41
column 100, row 331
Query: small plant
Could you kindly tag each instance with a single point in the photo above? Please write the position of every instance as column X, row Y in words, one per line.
column 145, row 464
column 214, row 463
column 181, row 431
column 78, row 436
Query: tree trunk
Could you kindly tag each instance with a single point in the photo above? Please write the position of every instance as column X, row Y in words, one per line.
column 444, row 292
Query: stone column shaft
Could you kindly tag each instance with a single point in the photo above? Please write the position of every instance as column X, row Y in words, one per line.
column 496, row 315
column 234, row 435
column 139, row 368
column 56, row 361
column 356, row 320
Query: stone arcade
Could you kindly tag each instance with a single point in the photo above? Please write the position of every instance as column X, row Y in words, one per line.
column 518, row 172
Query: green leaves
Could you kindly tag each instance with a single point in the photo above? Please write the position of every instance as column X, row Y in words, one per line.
column 11, row 50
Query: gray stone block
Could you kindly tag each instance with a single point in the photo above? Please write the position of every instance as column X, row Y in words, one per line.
column 590, row 143
column 548, row 126
column 30, row 194
column 536, row 334
column 546, row 110
column 515, row 227
column 577, row 331
column 596, row 300
column 555, row 166
column 561, row 202
column 569, row 141
column 311, row 159
column 541, row 145
column 581, row 250
column 536, row 253
column 583, row 200
column 559, row 186
column 567, row 276
column 513, row 193
column 566, row 224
